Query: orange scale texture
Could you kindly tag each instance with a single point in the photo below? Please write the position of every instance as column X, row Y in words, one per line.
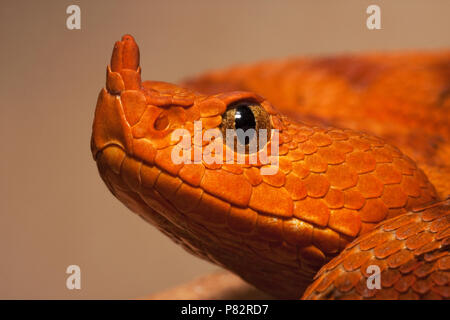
column 291, row 232
column 407, row 272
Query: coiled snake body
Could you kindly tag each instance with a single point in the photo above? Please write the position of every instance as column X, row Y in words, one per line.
column 342, row 200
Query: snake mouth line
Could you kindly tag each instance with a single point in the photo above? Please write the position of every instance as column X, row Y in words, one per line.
column 162, row 206
column 161, row 170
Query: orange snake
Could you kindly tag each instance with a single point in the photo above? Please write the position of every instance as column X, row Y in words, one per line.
column 335, row 188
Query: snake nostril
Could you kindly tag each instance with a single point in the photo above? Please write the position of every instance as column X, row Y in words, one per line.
column 162, row 122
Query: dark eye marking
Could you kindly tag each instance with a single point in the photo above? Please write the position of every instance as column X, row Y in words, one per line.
column 248, row 116
column 244, row 119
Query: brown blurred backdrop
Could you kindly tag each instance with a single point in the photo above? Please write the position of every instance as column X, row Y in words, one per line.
column 55, row 210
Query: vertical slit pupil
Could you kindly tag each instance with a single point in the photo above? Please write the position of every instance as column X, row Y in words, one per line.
column 244, row 119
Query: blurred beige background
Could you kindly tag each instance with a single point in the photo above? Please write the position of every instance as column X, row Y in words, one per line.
column 55, row 210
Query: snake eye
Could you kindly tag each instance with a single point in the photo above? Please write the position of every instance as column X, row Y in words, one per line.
column 245, row 120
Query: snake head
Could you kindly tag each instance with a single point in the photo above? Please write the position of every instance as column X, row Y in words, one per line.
column 329, row 185
column 137, row 120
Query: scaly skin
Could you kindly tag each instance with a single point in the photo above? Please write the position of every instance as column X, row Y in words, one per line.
column 403, row 98
column 411, row 251
column 275, row 231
